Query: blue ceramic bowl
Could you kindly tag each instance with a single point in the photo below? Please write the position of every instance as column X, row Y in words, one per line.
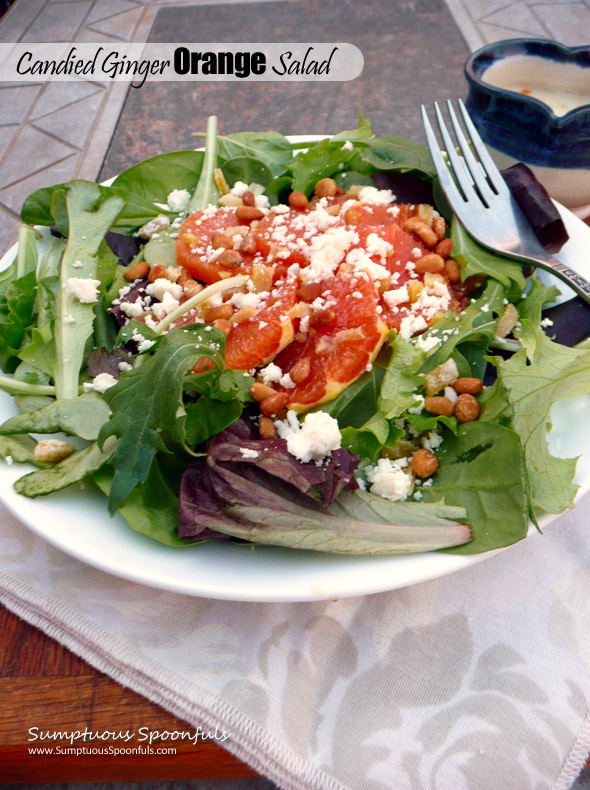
column 548, row 125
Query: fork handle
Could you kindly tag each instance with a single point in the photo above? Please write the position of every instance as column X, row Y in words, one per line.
column 580, row 285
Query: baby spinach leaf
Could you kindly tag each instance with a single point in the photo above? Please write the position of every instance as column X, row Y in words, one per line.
column 482, row 470
column 208, row 417
column 146, row 402
column 319, row 161
column 248, row 170
column 151, row 508
column 20, row 448
column 153, row 179
column 83, row 417
column 73, row 469
column 269, row 147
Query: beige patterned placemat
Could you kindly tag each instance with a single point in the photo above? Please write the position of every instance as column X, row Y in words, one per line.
column 475, row 680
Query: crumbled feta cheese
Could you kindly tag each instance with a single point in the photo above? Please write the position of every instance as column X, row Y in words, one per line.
column 326, row 253
column 8, row 459
column 546, row 322
column 100, row 383
column 85, row 290
column 166, row 306
column 364, row 263
column 485, row 308
column 427, row 343
column 125, row 365
column 412, row 324
column 379, row 197
column 162, row 286
column 143, row 344
column 261, row 202
column 432, row 441
column 178, row 200
column 69, row 319
column 77, row 265
column 287, row 382
column 313, row 439
column 271, row 374
column 241, row 300
column 348, row 146
column 390, row 479
column 397, row 296
column 417, row 253
column 248, row 453
column 451, row 394
column 238, row 189
column 375, row 245
column 153, row 227
column 132, row 309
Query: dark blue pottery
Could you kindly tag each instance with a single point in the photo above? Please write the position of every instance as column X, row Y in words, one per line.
column 522, row 127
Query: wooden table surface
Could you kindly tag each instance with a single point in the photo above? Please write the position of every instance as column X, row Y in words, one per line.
column 44, row 685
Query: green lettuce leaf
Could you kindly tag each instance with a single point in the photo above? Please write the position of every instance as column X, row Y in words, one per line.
column 482, row 470
column 148, row 402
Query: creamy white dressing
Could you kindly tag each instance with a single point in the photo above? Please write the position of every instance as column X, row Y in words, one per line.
column 561, row 86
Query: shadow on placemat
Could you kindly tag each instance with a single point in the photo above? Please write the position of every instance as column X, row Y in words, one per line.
column 207, row 784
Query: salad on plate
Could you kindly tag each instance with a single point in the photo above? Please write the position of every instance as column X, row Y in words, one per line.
column 282, row 342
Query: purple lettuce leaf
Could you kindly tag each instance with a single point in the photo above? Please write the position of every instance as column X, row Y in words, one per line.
column 124, row 247
column 137, row 291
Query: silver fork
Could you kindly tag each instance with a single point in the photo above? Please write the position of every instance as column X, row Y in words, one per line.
column 483, row 203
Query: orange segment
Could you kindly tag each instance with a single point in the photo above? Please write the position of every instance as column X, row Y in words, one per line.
column 340, row 350
column 258, row 339
column 193, row 246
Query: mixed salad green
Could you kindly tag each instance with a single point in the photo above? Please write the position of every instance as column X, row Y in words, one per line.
column 166, row 444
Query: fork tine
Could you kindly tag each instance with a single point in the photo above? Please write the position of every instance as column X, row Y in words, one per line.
column 486, row 160
column 472, row 164
column 447, row 183
column 459, row 169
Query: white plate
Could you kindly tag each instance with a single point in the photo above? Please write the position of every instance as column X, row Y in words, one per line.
column 77, row 521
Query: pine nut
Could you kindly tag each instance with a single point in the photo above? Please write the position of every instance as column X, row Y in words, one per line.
column 466, row 408
column 352, row 216
column 51, row 451
column 421, row 229
column 137, row 272
column 266, row 428
column 223, row 311
column 326, row 187
column 274, row 403
column 452, row 270
column 300, row 370
column 261, row 391
column 230, row 259
column 439, row 405
column 298, row 201
column 424, row 463
column 439, row 226
column 219, row 239
column 468, row 386
column 184, row 277
column 430, row 263
column 444, row 247
column 248, row 213
column 157, row 272
column 192, row 288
